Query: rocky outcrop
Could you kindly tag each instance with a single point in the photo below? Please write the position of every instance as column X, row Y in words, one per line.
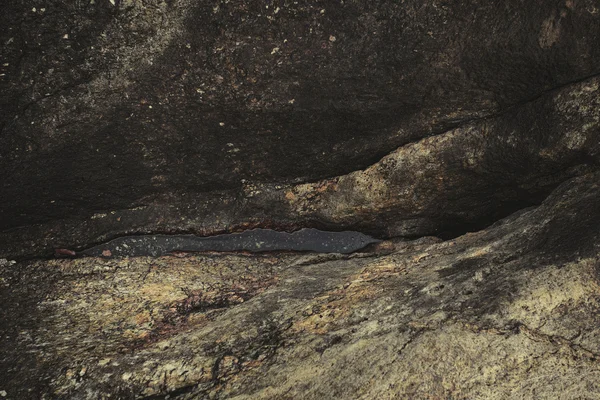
column 465, row 136
column 507, row 312
column 444, row 185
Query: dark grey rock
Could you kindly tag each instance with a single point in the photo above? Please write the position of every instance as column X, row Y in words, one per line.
column 255, row 240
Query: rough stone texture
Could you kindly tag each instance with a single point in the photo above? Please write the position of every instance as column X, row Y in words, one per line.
column 507, row 312
column 444, row 185
column 187, row 116
column 472, row 128
column 484, row 168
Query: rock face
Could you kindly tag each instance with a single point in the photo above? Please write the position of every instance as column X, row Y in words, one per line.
column 507, row 312
column 176, row 116
column 464, row 135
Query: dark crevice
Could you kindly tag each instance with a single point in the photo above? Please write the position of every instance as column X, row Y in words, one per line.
column 302, row 240
column 311, row 236
column 486, row 221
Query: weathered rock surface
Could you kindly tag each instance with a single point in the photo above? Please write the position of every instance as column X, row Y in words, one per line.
column 507, row 312
column 444, row 185
column 181, row 116
column 466, row 135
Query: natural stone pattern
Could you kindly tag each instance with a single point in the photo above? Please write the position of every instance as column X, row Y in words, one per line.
column 448, row 184
column 507, row 312
column 472, row 128
column 173, row 115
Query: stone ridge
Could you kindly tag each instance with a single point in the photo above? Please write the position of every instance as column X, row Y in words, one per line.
column 444, row 185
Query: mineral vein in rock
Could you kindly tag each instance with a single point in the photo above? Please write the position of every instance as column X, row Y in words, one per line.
column 256, row 240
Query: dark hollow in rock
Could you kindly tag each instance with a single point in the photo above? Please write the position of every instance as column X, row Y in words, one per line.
column 255, row 240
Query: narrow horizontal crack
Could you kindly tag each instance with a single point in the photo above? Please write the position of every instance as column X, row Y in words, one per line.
column 273, row 197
